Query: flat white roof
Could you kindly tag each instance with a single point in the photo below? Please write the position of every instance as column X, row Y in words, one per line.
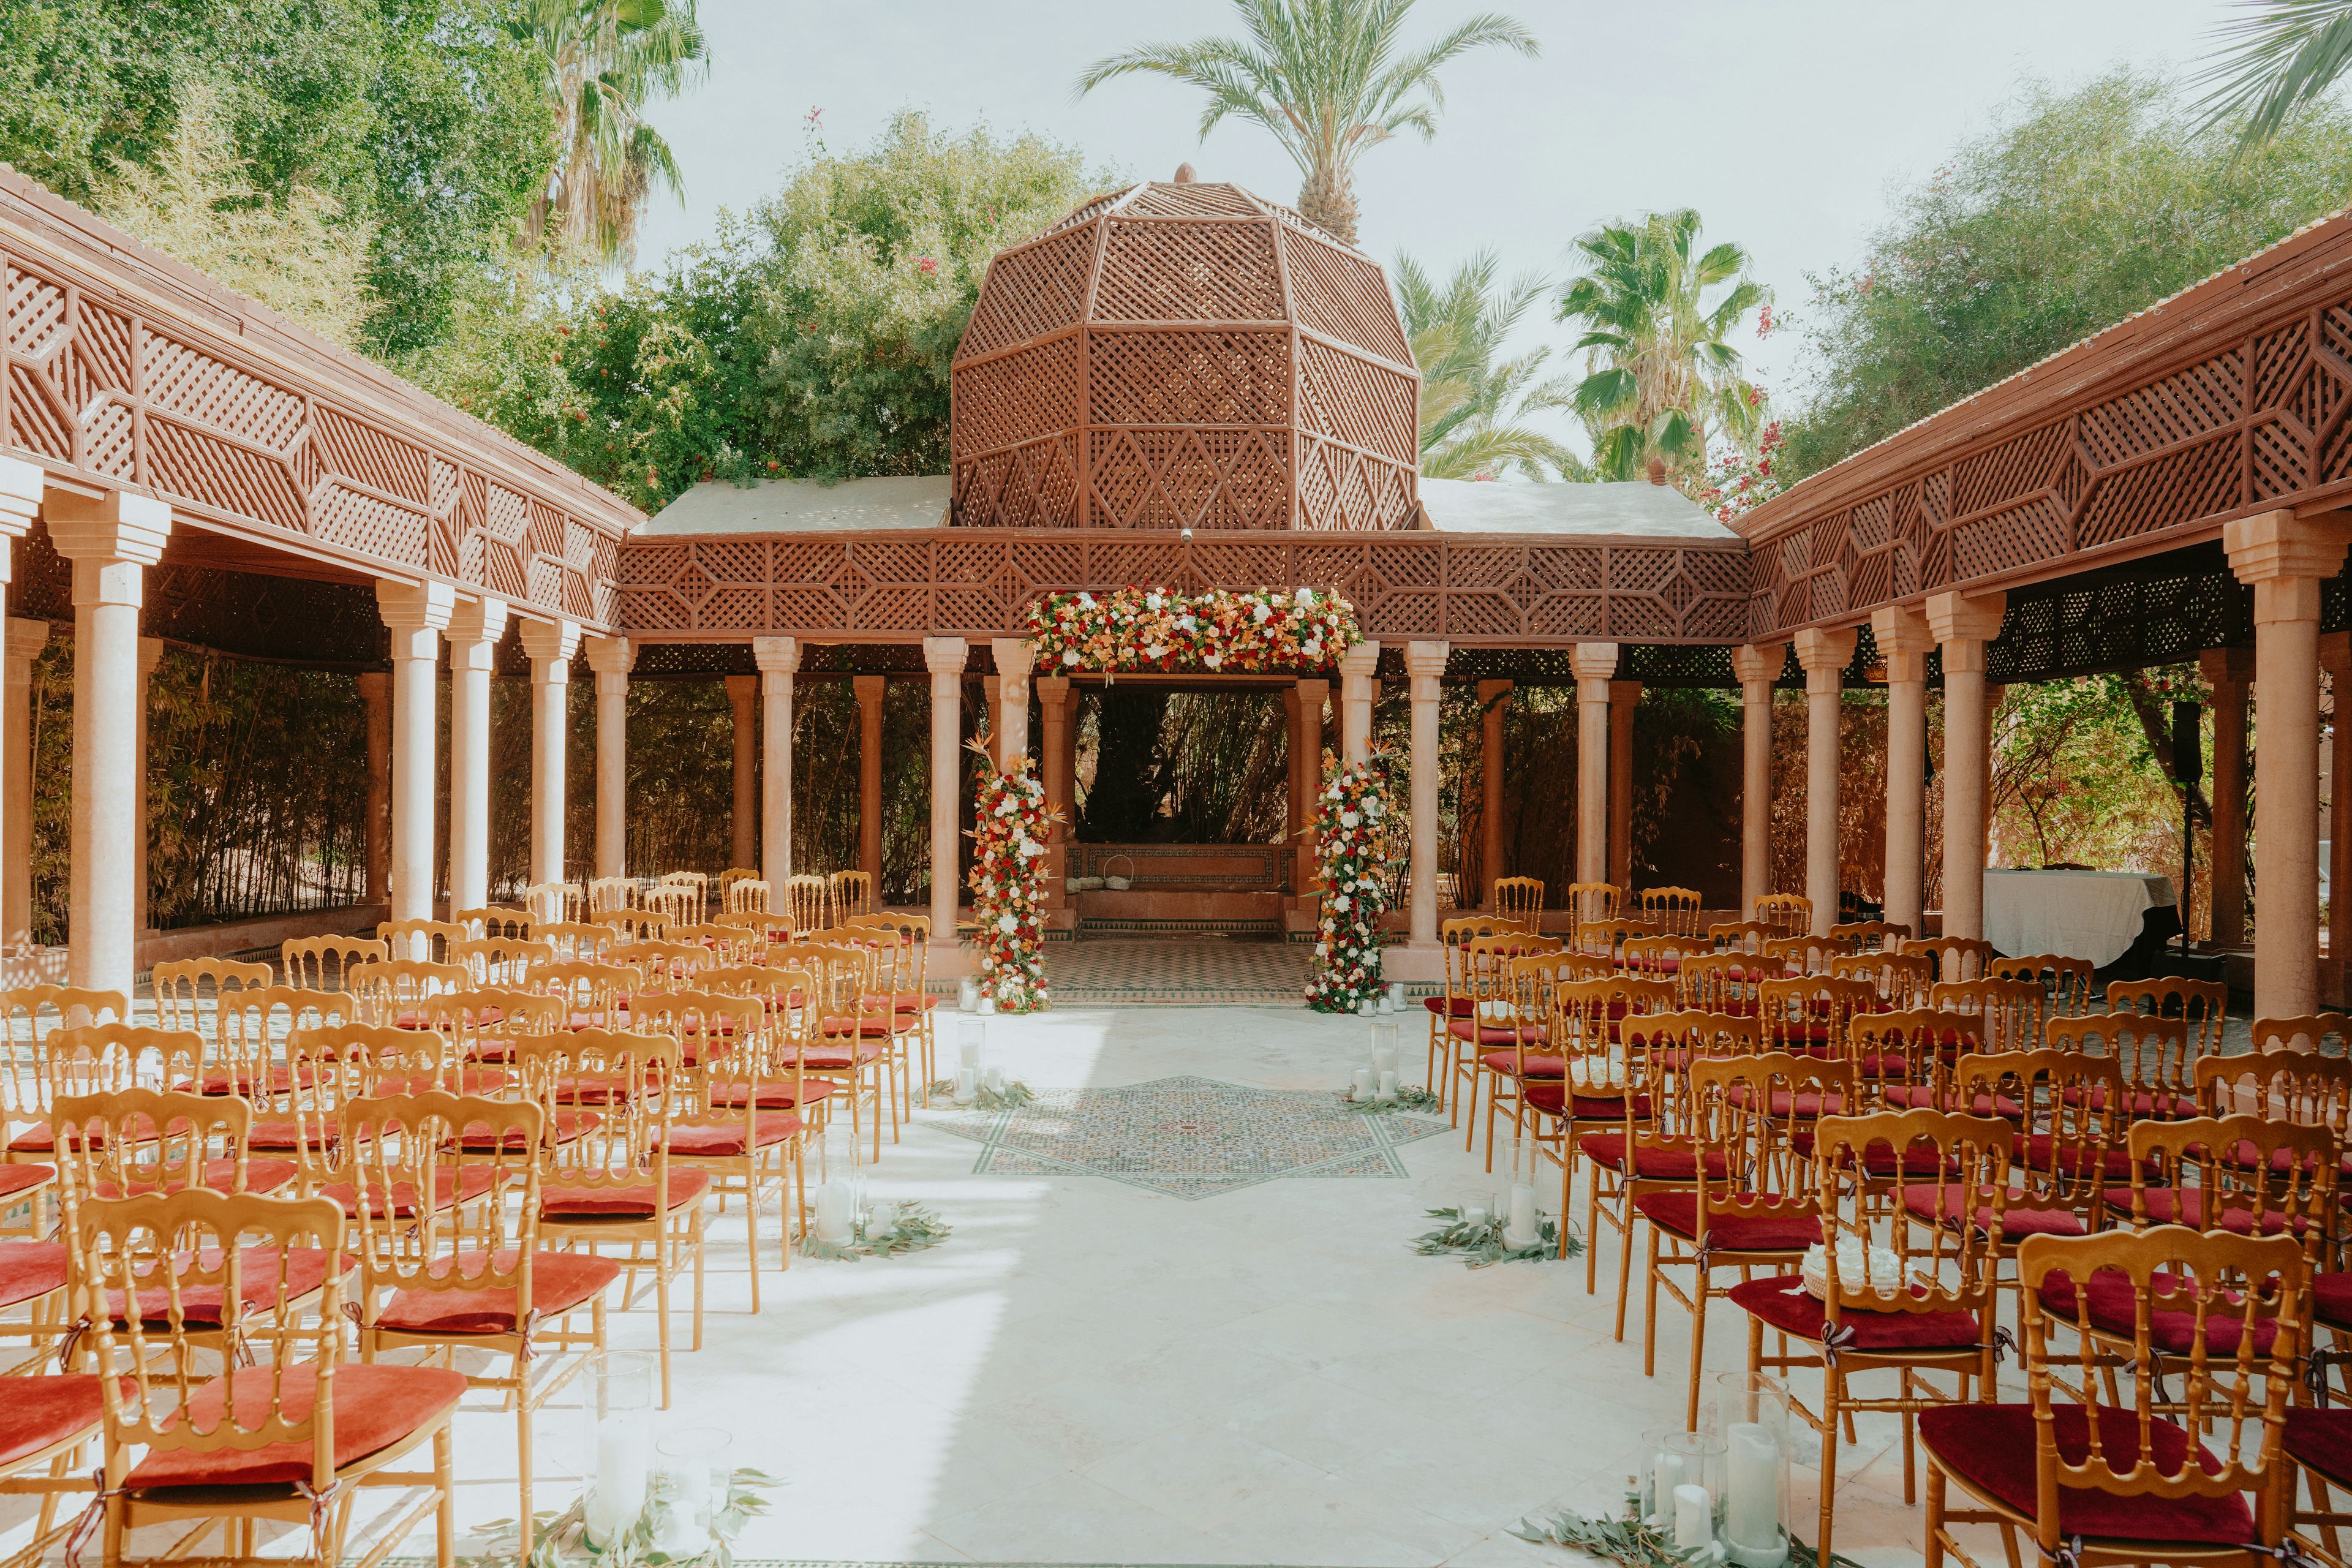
column 1521, row 506
column 804, row 506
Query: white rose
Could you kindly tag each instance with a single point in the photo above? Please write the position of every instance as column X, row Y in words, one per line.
column 1069, row 656
column 1213, row 659
column 1348, row 819
column 1372, row 808
column 1340, row 901
column 1187, row 622
column 1311, row 649
column 1152, row 601
column 1263, row 613
column 1007, row 925
column 1303, row 596
column 1086, row 600
column 1031, row 848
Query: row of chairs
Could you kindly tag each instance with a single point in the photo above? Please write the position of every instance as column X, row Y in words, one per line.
column 1669, row 911
column 813, row 901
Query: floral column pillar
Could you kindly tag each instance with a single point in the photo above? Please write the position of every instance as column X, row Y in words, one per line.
column 741, row 692
column 777, row 658
column 1757, row 667
column 1424, row 663
column 612, row 658
column 1904, row 641
column 1358, row 688
column 1595, row 663
column 25, row 640
column 475, row 627
column 944, row 657
column 2286, row 558
column 1963, row 624
column 551, row 644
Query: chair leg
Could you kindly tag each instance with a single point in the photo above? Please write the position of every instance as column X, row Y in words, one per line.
column 1592, row 1235
column 522, row 1450
column 1567, row 1181
column 1933, row 1548
column 1649, row 1300
column 1626, row 1257
column 1698, row 1345
column 1833, row 1401
column 695, row 1238
column 661, row 1307
column 751, row 1226
column 445, row 1512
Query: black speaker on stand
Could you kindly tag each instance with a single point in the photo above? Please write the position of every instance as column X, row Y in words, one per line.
column 2187, row 770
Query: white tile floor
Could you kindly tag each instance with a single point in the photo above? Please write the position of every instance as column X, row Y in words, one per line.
column 1091, row 1372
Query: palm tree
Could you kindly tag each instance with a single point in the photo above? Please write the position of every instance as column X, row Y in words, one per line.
column 1660, row 382
column 605, row 60
column 1325, row 77
column 1472, row 408
column 2282, row 54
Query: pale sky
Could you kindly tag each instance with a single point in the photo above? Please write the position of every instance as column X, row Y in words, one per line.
column 1784, row 123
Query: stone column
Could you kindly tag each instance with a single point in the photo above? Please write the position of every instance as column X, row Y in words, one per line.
column 944, row 657
column 2335, row 658
column 1962, row 624
column 1624, row 697
column 1758, row 666
column 417, row 614
column 1494, row 696
column 2229, row 671
column 1360, row 684
column 1015, row 659
column 1824, row 656
column 742, row 691
column 111, row 541
column 1595, row 663
column 376, row 691
column 150, row 654
column 25, row 640
column 475, row 627
column 777, row 658
column 1424, row 664
column 869, row 690
column 2286, row 558
column 612, row 658
column 551, row 644
column 1307, row 739
column 1904, row 642
column 1054, row 711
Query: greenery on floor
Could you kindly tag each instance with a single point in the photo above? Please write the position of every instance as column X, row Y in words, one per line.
column 1480, row 1243
column 560, row 1539
column 1634, row 1544
column 918, row 1229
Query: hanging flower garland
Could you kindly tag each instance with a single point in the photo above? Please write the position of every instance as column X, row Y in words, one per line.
column 1352, row 850
column 1008, row 884
column 1159, row 629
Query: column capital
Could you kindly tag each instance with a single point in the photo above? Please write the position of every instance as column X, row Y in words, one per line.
column 1824, row 656
column 1426, row 658
column 741, row 689
column 1593, row 661
column 1903, row 643
column 2273, row 545
column 1051, row 688
column 21, row 484
column 150, row 654
column 1490, row 692
column 549, row 642
column 375, row 686
column 1362, row 661
column 945, row 656
column 2226, row 665
column 1013, row 656
column 1311, row 690
column 116, row 530
column 1759, row 662
column 611, row 656
column 869, row 687
column 1955, row 617
column 481, row 619
column 26, row 639
column 776, row 656
column 1625, row 692
column 415, row 606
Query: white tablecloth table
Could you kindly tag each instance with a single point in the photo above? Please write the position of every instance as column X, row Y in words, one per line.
column 2095, row 915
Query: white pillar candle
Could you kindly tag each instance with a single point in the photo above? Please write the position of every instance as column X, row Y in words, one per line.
column 994, row 1079
column 1751, row 1493
column 1522, row 1211
column 1388, row 1081
column 882, row 1218
column 968, row 999
column 618, row 1495
column 834, row 1209
column 1694, row 1517
column 967, row 1087
column 1665, row 1476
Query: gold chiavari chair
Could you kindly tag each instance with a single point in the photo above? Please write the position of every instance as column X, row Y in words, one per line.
column 321, row 962
column 483, row 1024
column 2015, row 1011
column 595, row 996
column 727, row 944
column 1607, row 939
column 1804, row 954
column 1934, row 1317
column 1659, row 956
column 678, row 903
column 293, row 1435
column 1740, row 936
column 182, row 986
column 462, row 1026
column 851, row 893
column 1593, row 902
column 1898, row 1055
column 631, row 924
column 744, row 1145
column 1871, row 936
column 473, row 1280
column 1956, row 957
column 1653, row 1148
column 614, row 1183
column 1788, row 914
column 428, row 941
column 1454, row 936
column 748, row 895
column 501, row 961
column 492, row 921
column 902, row 963
column 2320, row 1034
column 607, row 894
column 1718, row 983
column 2203, row 1004
column 254, row 1026
column 806, row 899
column 699, row 881
column 1487, row 1023
column 1673, row 910
column 390, row 988
column 665, row 965
column 1534, row 1026
column 1901, row 979
column 732, row 875
column 2156, row 1058
column 1520, row 901
column 555, row 902
column 2067, row 980
column 2121, row 1482
column 1756, row 1210
column 1807, row 1014
column 576, row 942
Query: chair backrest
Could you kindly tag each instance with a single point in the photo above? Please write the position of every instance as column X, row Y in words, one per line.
column 1788, row 914
column 619, row 1091
column 1901, row 979
column 1751, row 1108
column 256, row 1024
column 389, row 986
column 501, row 960
column 1740, row 936
column 1956, row 957
column 484, row 1024
column 1454, row 938
column 1717, row 981
column 593, row 994
column 806, row 899
column 434, row 1178
column 552, row 902
column 106, row 1059
column 1520, row 900
column 187, row 1261
column 2155, row 1056
column 1803, row 954
column 851, row 892
column 1607, row 938
column 429, row 940
column 183, row 986
column 1658, row 955
column 576, row 940
column 665, row 965
column 770, row 927
column 1593, row 902
column 2014, row 1011
column 495, row 919
column 2323, row 1034
column 631, row 924
column 2067, row 1104
column 2067, row 980
column 136, row 1140
column 1910, row 1047
column 749, row 894
column 1965, row 1161
column 606, row 893
column 678, row 902
column 1674, row 910
column 2244, row 1173
column 1809, row 1012
column 1871, row 936
column 321, row 962
column 2300, row 1086
column 2229, row 1289
column 2203, row 1004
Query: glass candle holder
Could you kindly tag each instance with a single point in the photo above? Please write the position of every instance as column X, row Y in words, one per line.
column 1384, row 1046
column 1686, row 1490
column 1477, row 1205
column 973, row 1047
column 1751, row 1417
column 695, row 1479
column 622, row 1383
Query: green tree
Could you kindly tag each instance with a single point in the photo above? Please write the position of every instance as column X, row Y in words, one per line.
column 1328, row 78
column 2082, row 208
column 606, row 60
column 1473, row 404
column 1660, row 380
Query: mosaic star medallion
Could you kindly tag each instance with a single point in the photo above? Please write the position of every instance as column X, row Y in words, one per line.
column 1188, row 1137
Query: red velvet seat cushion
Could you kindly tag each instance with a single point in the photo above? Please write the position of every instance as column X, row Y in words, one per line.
column 413, row 1018
column 280, row 1080
column 621, row 1203
column 14, row 1179
column 1919, row 1160
column 1885, row 1064
column 41, row 1139
column 776, row 1093
column 2331, row 1299
column 1784, row 1303
column 275, row 1136
column 1485, row 1034
column 835, row 1058
column 900, row 1001
column 1807, row 1103
column 1451, row 1006
column 864, row 1027
column 2073, row 1159
column 561, row 1282
column 262, row 1177
column 464, row 1185
column 565, row 1127
column 1533, row 1064
column 724, row 1140
column 1919, row 1097
column 1678, row 1212
column 2171, row 1331
column 2017, row 1223
column 1545, row 1095
column 305, row 1270
column 2322, row 1440
column 1991, row 1446
column 375, row 1407
column 42, row 1412
column 30, row 1269
column 1652, row 1164
column 488, row 1082
column 2145, row 1104
column 2186, row 1206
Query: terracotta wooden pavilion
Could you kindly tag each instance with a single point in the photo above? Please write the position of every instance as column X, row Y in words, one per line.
column 1185, row 385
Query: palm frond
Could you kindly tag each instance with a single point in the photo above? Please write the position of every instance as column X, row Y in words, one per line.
column 2281, row 55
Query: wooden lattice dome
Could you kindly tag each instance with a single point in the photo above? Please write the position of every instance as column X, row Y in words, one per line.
column 1181, row 354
